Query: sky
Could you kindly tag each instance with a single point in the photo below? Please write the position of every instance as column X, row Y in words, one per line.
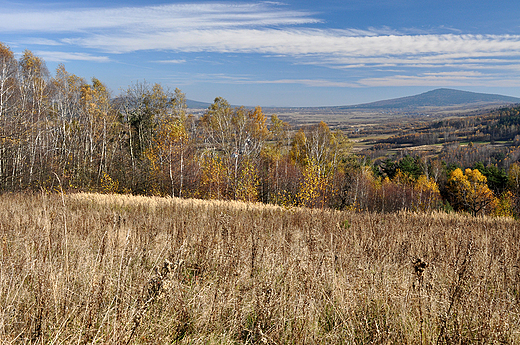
column 289, row 53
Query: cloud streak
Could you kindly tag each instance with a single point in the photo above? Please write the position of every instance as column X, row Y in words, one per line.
column 174, row 61
column 308, row 43
column 264, row 28
column 468, row 79
column 152, row 18
column 57, row 56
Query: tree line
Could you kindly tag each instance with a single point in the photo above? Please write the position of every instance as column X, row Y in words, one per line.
column 60, row 132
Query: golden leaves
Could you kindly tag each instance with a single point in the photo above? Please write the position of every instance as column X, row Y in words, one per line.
column 314, row 186
column 470, row 190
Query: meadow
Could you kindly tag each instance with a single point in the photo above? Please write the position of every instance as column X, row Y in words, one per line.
column 120, row 269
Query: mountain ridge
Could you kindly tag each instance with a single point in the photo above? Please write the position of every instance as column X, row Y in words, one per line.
column 436, row 98
column 441, row 97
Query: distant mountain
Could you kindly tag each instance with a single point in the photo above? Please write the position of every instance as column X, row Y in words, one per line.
column 434, row 99
column 437, row 98
column 197, row 105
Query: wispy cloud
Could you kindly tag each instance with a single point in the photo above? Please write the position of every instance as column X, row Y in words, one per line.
column 66, row 56
column 41, row 42
column 271, row 29
column 152, row 18
column 442, row 79
column 307, row 82
column 320, row 46
column 246, row 79
column 174, row 61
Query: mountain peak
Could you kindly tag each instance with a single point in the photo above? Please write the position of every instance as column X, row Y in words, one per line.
column 440, row 98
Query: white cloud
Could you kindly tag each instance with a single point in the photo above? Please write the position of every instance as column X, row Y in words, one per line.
column 319, row 46
column 41, row 41
column 152, row 18
column 307, row 82
column 178, row 61
column 238, row 27
column 65, row 56
column 267, row 28
column 442, row 79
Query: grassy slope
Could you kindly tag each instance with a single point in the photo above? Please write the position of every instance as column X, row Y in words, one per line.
column 118, row 269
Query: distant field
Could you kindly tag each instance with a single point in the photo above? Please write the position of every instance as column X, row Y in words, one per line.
column 365, row 127
column 342, row 116
column 331, row 116
column 111, row 269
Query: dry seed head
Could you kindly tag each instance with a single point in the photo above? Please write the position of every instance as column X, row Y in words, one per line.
column 419, row 266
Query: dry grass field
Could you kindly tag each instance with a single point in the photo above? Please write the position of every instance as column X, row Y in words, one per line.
column 111, row 269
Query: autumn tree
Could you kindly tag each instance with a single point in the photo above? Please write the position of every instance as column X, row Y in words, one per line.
column 513, row 177
column 213, row 176
column 248, row 182
column 360, row 189
column 142, row 107
column 427, row 195
column 99, row 126
column 33, row 78
column 172, row 144
column 503, row 205
column 313, row 186
column 513, row 184
column 8, row 81
column 8, row 126
column 318, row 151
column 24, row 132
column 469, row 190
column 237, row 135
column 66, row 107
column 278, row 169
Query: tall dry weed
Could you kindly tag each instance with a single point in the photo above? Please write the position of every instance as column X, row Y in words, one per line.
column 133, row 270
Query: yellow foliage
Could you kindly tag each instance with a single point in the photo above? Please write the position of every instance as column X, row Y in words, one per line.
column 285, row 199
column 426, row 184
column 171, row 136
column 247, row 188
column 213, row 176
column 427, row 193
column 470, row 190
column 313, row 188
column 402, row 177
column 319, row 144
column 503, row 206
column 108, row 185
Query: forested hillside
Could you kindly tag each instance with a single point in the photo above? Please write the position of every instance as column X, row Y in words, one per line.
column 60, row 132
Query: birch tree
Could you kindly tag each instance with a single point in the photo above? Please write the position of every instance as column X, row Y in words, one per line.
column 172, row 144
column 237, row 135
column 8, row 66
column 318, row 151
column 33, row 87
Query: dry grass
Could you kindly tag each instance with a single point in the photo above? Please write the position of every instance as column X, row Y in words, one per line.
column 132, row 270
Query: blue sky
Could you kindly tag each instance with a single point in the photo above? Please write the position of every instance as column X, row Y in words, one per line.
column 290, row 53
